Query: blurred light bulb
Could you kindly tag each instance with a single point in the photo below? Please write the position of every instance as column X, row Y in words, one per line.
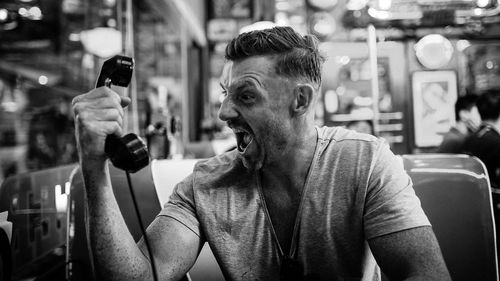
column 462, row 45
column 74, row 37
column 111, row 22
column 344, row 60
column 4, row 14
column 67, row 187
column 43, row 80
column 482, row 3
column 282, row 6
column 23, row 12
column 354, row 5
column 281, row 19
column 110, row 3
column 385, row 4
column 35, row 13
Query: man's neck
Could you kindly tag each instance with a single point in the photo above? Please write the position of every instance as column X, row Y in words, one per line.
column 294, row 164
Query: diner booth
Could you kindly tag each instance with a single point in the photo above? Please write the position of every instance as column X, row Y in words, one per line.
column 417, row 51
column 47, row 212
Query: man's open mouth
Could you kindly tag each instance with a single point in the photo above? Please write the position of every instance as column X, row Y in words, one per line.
column 243, row 139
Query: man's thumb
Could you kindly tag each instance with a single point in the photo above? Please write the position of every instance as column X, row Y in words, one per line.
column 125, row 101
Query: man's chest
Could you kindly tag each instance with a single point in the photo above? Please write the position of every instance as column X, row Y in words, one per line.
column 282, row 213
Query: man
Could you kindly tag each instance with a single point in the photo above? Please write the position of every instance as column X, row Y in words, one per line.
column 467, row 121
column 292, row 202
column 485, row 142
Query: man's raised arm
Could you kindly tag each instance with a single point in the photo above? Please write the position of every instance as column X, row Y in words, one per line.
column 116, row 256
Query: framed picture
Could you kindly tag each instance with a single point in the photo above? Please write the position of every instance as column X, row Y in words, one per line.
column 434, row 96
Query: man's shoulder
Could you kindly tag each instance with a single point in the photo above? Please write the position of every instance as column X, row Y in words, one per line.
column 219, row 168
column 454, row 134
column 350, row 146
column 485, row 136
column 343, row 136
column 218, row 163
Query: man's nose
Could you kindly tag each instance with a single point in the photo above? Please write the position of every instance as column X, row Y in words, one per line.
column 227, row 110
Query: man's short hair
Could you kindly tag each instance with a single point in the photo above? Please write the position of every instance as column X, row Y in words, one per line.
column 488, row 105
column 295, row 55
column 466, row 102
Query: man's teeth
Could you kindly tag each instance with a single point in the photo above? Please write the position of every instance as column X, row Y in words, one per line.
column 247, row 139
column 244, row 139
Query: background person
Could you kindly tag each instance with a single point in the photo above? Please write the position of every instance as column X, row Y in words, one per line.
column 485, row 142
column 467, row 121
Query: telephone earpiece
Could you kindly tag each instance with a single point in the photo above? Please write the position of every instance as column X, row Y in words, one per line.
column 129, row 152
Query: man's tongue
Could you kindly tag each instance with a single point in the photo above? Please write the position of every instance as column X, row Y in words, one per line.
column 244, row 142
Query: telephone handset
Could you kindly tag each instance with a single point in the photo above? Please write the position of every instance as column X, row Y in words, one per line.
column 129, row 152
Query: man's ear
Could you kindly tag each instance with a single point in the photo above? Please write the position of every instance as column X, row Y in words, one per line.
column 303, row 98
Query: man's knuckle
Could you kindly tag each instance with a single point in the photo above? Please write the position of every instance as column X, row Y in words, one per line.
column 117, row 113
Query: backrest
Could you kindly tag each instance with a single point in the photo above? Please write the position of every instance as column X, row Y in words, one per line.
column 455, row 194
column 166, row 174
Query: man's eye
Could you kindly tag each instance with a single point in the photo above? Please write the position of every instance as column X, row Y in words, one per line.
column 246, row 98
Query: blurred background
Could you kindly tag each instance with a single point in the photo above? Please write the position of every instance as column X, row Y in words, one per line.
column 394, row 69
column 428, row 53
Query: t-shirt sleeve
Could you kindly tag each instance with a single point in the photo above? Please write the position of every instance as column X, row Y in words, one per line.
column 391, row 204
column 181, row 205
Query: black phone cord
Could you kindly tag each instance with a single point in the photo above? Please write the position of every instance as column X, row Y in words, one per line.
column 143, row 230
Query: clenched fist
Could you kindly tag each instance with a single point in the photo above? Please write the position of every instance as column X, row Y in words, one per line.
column 98, row 113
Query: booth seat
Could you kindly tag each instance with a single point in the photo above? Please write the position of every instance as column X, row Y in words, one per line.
column 454, row 191
column 455, row 194
column 36, row 204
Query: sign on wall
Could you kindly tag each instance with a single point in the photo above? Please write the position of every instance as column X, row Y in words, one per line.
column 434, row 96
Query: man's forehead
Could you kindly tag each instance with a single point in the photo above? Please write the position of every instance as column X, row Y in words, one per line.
column 225, row 78
column 258, row 68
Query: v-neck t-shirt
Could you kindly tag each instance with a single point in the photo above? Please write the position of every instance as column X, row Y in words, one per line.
column 357, row 190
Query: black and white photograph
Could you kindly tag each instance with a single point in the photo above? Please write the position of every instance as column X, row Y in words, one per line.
column 249, row 140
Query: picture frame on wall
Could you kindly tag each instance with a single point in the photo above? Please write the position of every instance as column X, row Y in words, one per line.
column 434, row 95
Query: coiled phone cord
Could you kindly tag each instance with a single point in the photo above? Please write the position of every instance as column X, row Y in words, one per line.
column 143, row 230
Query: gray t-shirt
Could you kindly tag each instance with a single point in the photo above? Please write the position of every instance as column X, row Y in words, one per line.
column 357, row 189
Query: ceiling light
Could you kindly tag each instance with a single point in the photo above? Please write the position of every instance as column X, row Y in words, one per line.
column 74, row 37
column 23, row 12
column 482, row 3
column 354, row 5
column 434, row 51
column 35, row 13
column 462, row 45
column 385, row 4
column 43, row 80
